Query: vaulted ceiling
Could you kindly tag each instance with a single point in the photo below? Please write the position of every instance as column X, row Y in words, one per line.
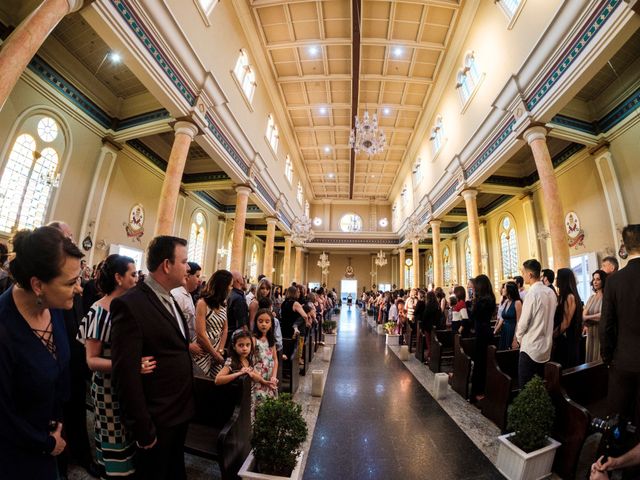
column 393, row 49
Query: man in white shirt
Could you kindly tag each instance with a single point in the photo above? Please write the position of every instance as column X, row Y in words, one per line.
column 520, row 283
column 534, row 331
column 184, row 300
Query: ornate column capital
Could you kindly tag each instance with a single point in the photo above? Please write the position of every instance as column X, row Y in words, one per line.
column 535, row 133
column 271, row 220
column 435, row 224
column 469, row 194
column 187, row 128
column 243, row 190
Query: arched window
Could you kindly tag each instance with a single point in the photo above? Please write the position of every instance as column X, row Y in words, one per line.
column 510, row 7
column 430, row 270
column 229, row 248
column 446, row 263
column 300, row 194
column 272, row 133
column 253, row 264
column 351, row 222
column 195, row 251
column 245, row 75
column 467, row 258
column 468, row 78
column 417, row 173
column 31, row 173
column 405, row 196
column 207, row 5
column 437, row 137
column 509, row 248
column 288, row 169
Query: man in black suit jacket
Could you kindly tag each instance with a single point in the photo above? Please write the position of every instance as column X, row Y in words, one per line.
column 147, row 321
column 620, row 331
column 237, row 308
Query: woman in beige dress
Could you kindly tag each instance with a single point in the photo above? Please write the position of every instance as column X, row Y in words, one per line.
column 591, row 316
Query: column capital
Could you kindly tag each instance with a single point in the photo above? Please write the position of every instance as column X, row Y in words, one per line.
column 243, row 190
column 535, row 133
column 186, row 128
column 75, row 5
column 287, row 238
column 435, row 223
column 271, row 220
column 469, row 194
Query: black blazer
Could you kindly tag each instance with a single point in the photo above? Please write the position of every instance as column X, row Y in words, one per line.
column 619, row 321
column 141, row 326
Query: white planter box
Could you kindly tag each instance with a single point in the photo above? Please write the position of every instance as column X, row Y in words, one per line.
column 246, row 474
column 515, row 464
column 330, row 338
column 393, row 340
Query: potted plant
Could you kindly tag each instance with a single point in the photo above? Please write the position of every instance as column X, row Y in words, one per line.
column 279, row 430
column 393, row 339
column 527, row 453
column 329, row 327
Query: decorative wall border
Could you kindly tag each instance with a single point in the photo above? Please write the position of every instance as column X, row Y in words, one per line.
column 356, row 241
column 593, row 25
column 493, row 146
column 226, row 144
column 151, row 45
column 265, row 194
column 445, row 196
column 204, row 177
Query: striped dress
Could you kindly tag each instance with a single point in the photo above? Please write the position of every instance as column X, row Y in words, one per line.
column 115, row 447
column 214, row 324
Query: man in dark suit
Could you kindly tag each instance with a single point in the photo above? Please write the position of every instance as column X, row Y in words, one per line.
column 147, row 321
column 620, row 331
column 237, row 309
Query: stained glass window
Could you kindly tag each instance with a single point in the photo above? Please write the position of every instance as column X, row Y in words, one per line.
column 509, row 249
column 30, row 174
column 467, row 258
column 446, row 261
column 195, row 252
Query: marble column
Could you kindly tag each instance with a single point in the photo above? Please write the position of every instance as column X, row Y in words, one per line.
column 286, row 263
column 484, row 249
column 455, row 271
column 471, row 205
column 185, row 132
column 536, row 138
column 415, row 251
column 268, row 248
column 19, row 48
column 401, row 259
column 297, row 272
column 242, row 199
column 437, row 254
column 222, row 227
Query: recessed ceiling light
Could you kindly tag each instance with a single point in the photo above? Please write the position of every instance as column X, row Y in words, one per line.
column 373, row 175
column 331, row 175
column 115, row 57
column 317, row 221
column 386, row 110
column 383, row 222
column 313, row 50
column 397, row 52
column 327, row 149
column 323, row 110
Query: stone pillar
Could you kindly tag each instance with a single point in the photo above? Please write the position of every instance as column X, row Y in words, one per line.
column 242, row 199
column 437, row 254
column 536, row 138
column 530, row 222
column 222, row 227
column 97, row 194
column 286, row 263
column 455, row 271
column 484, row 249
column 185, row 132
column 297, row 272
column 268, row 248
column 401, row 259
column 19, row 48
column 415, row 250
column 474, row 230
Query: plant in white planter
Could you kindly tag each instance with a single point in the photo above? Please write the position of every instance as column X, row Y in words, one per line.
column 279, row 430
column 528, row 453
column 393, row 339
column 329, row 327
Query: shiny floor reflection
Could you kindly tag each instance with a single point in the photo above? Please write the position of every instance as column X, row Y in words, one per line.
column 377, row 422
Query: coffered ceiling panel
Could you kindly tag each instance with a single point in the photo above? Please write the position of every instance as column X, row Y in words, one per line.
column 309, row 45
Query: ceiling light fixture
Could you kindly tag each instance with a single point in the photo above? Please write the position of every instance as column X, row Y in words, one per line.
column 397, row 52
column 327, row 149
column 366, row 137
column 313, row 50
column 323, row 110
column 331, row 175
column 115, row 57
column 386, row 110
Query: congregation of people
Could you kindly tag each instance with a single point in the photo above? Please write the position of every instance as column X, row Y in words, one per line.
column 135, row 341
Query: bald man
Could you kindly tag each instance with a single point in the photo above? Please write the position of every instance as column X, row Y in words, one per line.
column 237, row 309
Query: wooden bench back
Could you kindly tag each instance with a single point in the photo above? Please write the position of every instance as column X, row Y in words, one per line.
column 215, row 404
column 445, row 337
column 507, row 361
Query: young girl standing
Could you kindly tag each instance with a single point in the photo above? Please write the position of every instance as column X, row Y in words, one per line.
column 265, row 356
column 240, row 362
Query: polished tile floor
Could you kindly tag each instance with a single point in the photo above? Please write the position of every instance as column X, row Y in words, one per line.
column 377, row 422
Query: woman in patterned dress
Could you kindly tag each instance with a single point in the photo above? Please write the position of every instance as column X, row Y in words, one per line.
column 115, row 448
column 211, row 323
column 265, row 359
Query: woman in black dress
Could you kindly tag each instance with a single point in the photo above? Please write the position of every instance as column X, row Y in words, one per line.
column 34, row 352
column 292, row 318
column 567, row 321
column 484, row 306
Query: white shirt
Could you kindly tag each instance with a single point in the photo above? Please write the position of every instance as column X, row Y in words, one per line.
column 185, row 301
column 249, row 298
column 535, row 327
column 522, row 293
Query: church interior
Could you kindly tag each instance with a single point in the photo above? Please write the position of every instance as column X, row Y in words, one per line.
column 355, row 145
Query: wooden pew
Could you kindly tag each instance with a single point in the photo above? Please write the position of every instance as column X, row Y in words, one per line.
column 221, row 428
column 442, row 349
column 463, row 350
column 311, row 343
column 502, row 384
column 290, row 368
column 578, row 395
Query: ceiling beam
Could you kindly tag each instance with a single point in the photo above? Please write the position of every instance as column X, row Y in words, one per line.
column 313, row 78
column 356, row 16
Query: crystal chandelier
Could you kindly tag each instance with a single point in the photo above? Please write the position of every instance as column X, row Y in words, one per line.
column 324, row 262
column 381, row 260
column 366, row 137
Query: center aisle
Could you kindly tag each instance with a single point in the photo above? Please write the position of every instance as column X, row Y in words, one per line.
column 377, row 422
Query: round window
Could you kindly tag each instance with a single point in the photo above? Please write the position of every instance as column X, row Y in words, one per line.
column 351, row 223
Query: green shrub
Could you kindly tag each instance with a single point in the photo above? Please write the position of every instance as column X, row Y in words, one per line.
column 390, row 327
column 279, row 430
column 328, row 326
column 530, row 416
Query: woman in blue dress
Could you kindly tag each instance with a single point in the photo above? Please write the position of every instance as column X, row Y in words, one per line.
column 34, row 352
column 508, row 318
